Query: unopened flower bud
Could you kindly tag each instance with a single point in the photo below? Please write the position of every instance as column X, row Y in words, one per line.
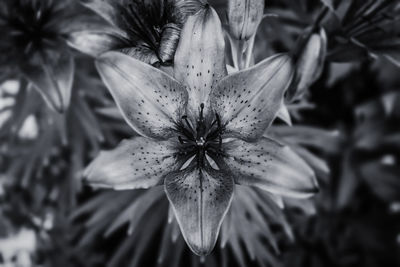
column 244, row 17
column 169, row 41
column 310, row 54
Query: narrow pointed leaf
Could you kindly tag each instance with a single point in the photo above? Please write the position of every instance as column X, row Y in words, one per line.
column 107, row 9
column 53, row 79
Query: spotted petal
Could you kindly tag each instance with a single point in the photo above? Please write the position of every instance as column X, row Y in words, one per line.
column 199, row 58
column 200, row 199
column 135, row 163
column 150, row 100
column 249, row 100
column 53, row 79
column 270, row 166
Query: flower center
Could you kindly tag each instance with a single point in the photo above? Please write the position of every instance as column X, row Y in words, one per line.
column 203, row 139
column 200, row 142
column 28, row 24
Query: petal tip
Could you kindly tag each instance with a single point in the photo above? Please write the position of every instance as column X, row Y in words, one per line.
column 200, row 237
column 201, row 251
column 88, row 174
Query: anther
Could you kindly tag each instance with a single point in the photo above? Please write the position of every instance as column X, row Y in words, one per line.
column 180, row 140
column 184, row 117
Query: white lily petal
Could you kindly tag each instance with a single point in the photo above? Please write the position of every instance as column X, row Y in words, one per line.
column 199, row 59
column 200, row 199
column 277, row 199
column 249, row 100
column 135, row 163
column 270, row 166
column 150, row 100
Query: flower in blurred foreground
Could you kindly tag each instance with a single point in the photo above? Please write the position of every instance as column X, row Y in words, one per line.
column 147, row 30
column 309, row 55
column 33, row 45
column 201, row 132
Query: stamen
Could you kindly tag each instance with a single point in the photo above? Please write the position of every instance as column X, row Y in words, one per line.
column 218, row 120
column 207, row 138
column 184, row 117
column 183, row 140
column 212, row 134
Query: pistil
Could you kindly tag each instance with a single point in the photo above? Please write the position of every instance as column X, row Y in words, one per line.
column 206, row 138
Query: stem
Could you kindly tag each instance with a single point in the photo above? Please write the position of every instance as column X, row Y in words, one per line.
column 233, row 52
column 242, row 46
column 249, row 51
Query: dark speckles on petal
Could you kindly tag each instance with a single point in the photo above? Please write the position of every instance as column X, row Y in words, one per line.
column 200, row 199
column 270, row 166
column 202, row 48
column 248, row 101
column 121, row 168
column 150, row 100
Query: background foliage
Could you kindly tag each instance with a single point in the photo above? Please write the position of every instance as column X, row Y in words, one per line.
column 346, row 126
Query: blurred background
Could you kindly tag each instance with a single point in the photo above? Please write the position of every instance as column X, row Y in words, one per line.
column 345, row 122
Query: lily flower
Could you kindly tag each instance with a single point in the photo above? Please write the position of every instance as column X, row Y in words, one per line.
column 201, row 131
column 147, row 30
column 32, row 44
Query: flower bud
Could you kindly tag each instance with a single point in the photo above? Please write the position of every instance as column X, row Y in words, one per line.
column 310, row 54
column 244, row 17
column 169, row 42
